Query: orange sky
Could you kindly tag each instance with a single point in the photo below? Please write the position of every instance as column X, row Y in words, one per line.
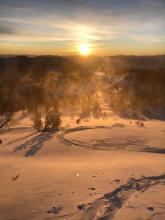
column 109, row 27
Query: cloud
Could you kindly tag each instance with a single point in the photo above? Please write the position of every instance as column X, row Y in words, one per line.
column 7, row 29
column 99, row 22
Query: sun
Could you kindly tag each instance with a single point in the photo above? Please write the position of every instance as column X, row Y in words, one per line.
column 84, row 49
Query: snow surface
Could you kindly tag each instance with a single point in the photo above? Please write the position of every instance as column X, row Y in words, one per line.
column 63, row 175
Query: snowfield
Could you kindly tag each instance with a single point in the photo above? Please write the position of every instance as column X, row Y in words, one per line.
column 100, row 169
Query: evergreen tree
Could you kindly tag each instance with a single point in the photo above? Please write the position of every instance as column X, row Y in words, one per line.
column 36, row 118
column 52, row 118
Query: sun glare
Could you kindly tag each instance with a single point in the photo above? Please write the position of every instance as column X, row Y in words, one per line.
column 84, row 50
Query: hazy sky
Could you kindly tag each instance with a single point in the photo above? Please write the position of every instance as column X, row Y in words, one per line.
column 60, row 26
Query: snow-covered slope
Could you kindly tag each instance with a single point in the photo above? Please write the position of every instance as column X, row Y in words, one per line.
column 54, row 176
